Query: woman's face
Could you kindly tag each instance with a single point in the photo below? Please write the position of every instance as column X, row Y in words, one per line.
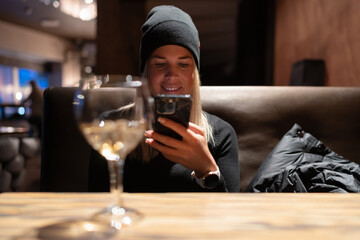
column 171, row 70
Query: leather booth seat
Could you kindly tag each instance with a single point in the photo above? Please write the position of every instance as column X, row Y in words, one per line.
column 14, row 153
column 260, row 115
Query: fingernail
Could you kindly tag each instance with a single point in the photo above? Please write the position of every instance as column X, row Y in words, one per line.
column 148, row 140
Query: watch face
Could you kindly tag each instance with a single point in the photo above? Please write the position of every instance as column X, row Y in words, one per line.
column 211, row 181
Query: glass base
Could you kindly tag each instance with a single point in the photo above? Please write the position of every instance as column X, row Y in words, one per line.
column 76, row 229
column 102, row 225
column 118, row 217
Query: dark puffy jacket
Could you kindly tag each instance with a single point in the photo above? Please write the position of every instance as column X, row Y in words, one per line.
column 301, row 163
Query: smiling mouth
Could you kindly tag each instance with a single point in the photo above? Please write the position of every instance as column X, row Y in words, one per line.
column 171, row 89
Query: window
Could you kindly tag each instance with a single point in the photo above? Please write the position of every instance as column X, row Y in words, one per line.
column 15, row 87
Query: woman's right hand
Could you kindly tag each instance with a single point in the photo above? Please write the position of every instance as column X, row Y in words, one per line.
column 192, row 151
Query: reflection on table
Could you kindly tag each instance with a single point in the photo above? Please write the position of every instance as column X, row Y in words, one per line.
column 194, row 215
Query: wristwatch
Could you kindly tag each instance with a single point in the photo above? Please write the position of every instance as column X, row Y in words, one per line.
column 209, row 180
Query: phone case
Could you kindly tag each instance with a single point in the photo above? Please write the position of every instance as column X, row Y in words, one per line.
column 174, row 107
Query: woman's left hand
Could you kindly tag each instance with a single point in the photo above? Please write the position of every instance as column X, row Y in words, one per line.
column 192, row 151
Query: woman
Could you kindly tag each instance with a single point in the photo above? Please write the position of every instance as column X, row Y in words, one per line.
column 206, row 159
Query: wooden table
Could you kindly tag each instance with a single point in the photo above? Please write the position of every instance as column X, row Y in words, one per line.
column 194, row 215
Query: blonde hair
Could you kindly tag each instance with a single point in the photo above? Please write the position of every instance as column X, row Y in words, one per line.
column 197, row 116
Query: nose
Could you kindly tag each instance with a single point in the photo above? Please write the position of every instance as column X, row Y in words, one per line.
column 171, row 71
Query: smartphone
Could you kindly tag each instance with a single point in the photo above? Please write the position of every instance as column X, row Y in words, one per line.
column 174, row 107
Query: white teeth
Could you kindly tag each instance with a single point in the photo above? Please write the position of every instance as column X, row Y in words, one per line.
column 171, row 89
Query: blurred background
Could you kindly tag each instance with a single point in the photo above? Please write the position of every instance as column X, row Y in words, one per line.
column 243, row 42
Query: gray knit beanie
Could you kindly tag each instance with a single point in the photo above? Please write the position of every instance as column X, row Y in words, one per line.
column 168, row 25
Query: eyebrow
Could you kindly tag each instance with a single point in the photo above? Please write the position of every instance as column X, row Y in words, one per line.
column 160, row 57
column 185, row 57
column 156, row 56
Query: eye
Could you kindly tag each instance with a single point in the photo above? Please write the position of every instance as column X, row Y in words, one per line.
column 160, row 64
column 183, row 65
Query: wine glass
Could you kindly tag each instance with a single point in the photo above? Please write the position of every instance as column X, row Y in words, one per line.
column 112, row 112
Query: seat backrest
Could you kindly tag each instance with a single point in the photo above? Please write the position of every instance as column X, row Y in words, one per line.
column 259, row 115
column 64, row 152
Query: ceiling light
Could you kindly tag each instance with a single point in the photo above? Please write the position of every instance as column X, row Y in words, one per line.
column 85, row 10
column 56, row 4
column 46, row 2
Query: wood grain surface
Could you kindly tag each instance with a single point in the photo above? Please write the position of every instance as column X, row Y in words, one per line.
column 321, row 29
column 193, row 215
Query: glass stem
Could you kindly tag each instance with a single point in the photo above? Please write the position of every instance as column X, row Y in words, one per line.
column 116, row 170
